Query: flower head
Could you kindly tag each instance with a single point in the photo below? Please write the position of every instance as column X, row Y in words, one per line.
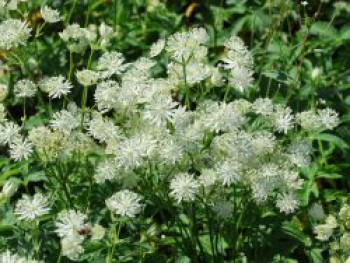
column 125, row 203
column 32, row 207
column 50, row 15
column 184, row 187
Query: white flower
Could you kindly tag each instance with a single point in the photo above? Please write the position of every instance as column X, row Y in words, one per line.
column 106, row 32
column 263, row 106
column 77, row 38
column 25, row 88
column 170, row 151
column 2, row 115
column 4, row 90
column 125, row 203
column 329, row 118
column 9, row 132
column 229, row 172
column 331, row 221
column 238, row 55
column 287, row 203
column 184, row 187
column 9, row 188
column 8, row 257
column 50, row 15
column 184, row 45
column 299, row 153
column 208, row 178
column 55, row 86
column 111, row 63
column 102, row 129
column 283, row 119
column 71, row 248
column 159, row 110
column 106, row 95
column 105, row 170
column 97, row 232
column 323, row 232
column 157, row 48
column 69, row 223
column 13, row 32
column 87, row 77
column 20, row 149
column 65, row 121
column 241, row 78
column 31, row 207
column 131, row 152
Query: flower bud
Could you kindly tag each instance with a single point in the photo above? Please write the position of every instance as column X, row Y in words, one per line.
column 3, row 92
column 9, row 189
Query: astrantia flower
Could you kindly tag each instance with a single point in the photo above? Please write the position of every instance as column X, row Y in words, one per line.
column 9, row 188
column 183, row 45
column 106, row 95
column 9, row 132
column 263, row 106
column 77, row 38
column 71, row 248
column 8, row 257
column 2, row 115
column 4, row 90
column 20, row 149
column 125, row 203
column 32, row 207
column 130, row 153
column 329, row 118
column 184, row 187
column 69, row 223
column 55, row 86
column 283, row 119
column 13, row 32
column 229, row 172
column 287, row 203
column 102, row 129
column 25, row 88
column 208, row 178
column 87, row 77
column 157, row 48
column 111, row 63
column 97, row 232
column 159, row 110
column 238, row 55
column 105, row 170
column 323, row 232
column 65, row 121
column 50, row 15
column 241, row 78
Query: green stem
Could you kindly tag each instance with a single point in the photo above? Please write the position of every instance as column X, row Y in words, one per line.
column 187, row 89
column 71, row 11
column 115, row 241
column 71, row 66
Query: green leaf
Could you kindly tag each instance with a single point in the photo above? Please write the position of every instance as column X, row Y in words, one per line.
column 291, row 229
column 329, row 175
column 340, row 143
column 6, row 230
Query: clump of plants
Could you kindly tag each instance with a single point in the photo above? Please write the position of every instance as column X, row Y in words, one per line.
column 163, row 156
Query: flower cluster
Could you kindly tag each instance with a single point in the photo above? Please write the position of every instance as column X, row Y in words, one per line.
column 150, row 137
column 336, row 231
